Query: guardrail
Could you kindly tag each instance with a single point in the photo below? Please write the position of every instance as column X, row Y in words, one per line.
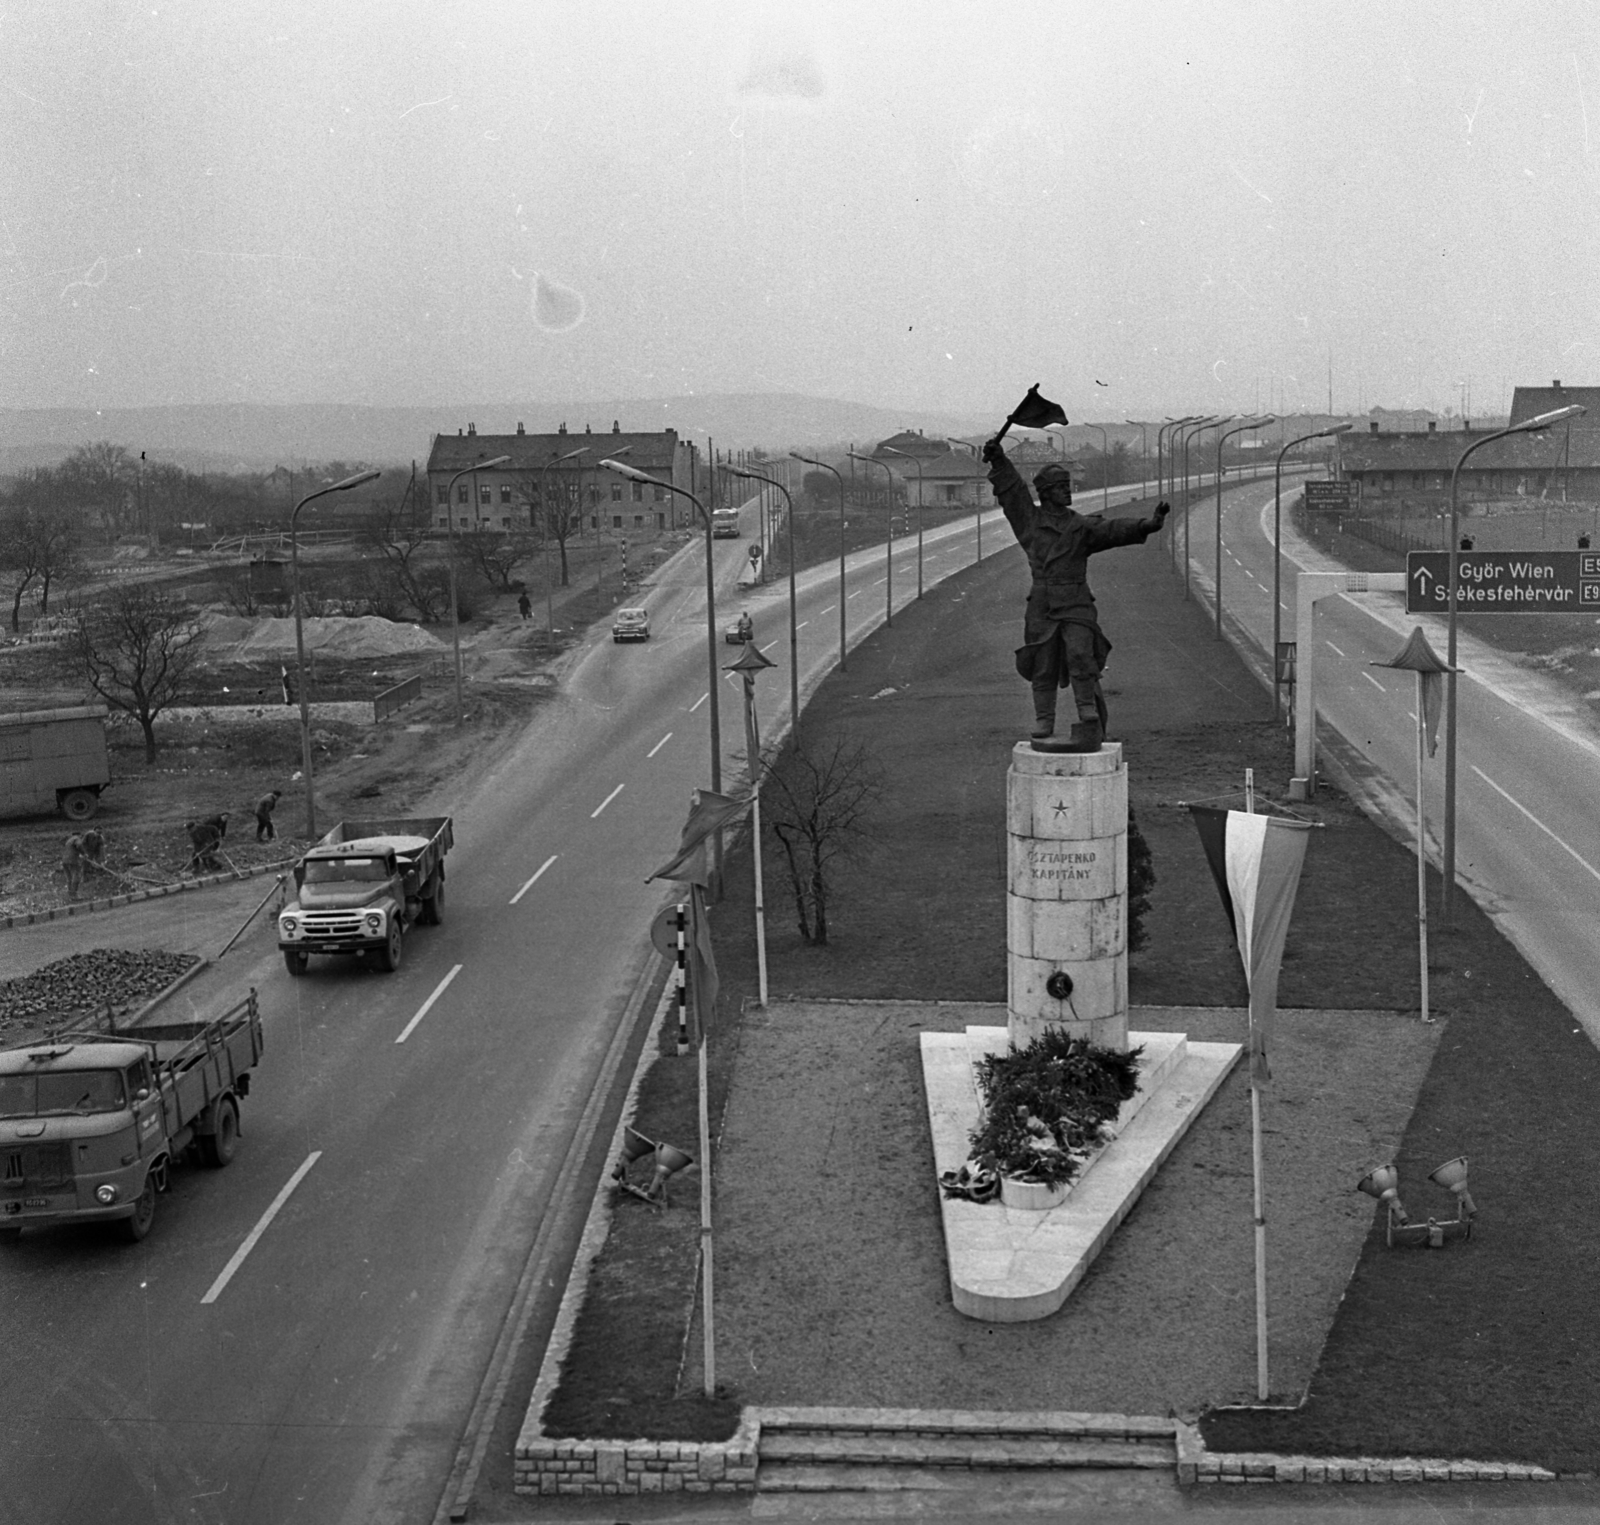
column 394, row 698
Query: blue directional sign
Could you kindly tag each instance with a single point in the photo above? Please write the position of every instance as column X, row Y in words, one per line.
column 1504, row 582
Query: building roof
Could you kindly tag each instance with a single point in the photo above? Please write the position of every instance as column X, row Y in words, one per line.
column 957, row 466
column 653, row 452
column 913, row 442
column 1440, row 451
column 1530, row 402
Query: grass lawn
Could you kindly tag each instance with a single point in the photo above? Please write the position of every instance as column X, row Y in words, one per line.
column 1482, row 1350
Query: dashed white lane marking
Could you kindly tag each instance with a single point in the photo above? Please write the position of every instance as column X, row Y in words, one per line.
column 606, row 801
column 1374, row 682
column 698, row 702
column 768, row 647
column 542, row 867
column 1331, row 647
column 427, row 1006
column 828, row 610
column 802, row 625
column 658, row 746
column 261, row 1227
column 1537, row 822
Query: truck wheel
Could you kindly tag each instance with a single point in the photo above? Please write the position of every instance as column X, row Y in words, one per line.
column 144, row 1212
column 433, row 905
column 294, row 962
column 389, row 953
column 79, row 804
column 219, row 1148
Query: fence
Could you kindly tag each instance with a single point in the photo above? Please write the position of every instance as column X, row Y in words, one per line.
column 401, row 694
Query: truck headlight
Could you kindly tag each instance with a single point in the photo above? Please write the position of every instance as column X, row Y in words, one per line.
column 106, row 1194
column 288, row 925
column 374, row 921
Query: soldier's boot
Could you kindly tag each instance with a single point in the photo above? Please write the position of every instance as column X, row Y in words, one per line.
column 1044, row 711
column 1088, row 730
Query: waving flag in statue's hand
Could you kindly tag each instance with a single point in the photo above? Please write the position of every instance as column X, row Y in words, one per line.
column 1256, row 862
column 1036, row 412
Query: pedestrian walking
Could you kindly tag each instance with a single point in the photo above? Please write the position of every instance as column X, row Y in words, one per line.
column 525, row 604
column 288, row 684
column 264, row 808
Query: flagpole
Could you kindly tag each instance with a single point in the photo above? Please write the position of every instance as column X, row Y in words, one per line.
column 1261, row 1245
column 707, row 1280
column 1422, row 862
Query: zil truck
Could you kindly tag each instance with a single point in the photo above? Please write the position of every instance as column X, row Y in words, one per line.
column 54, row 760
column 724, row 524
column 363, row 887
column 90, row 1124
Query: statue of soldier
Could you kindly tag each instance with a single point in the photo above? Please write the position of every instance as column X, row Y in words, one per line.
column 1063, row 641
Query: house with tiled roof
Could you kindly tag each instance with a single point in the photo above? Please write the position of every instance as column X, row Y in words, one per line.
column 933, row 472
column 565, row 468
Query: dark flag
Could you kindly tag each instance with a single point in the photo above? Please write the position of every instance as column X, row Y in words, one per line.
column 710, row 811
column 1256, row 861
column 1036, row 412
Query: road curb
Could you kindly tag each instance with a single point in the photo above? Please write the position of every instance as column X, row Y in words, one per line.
column 155, row 892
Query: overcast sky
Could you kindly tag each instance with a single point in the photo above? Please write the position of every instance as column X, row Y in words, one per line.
column 1149, row 208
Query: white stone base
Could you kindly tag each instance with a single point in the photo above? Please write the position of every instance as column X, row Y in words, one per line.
column 1012, row 1264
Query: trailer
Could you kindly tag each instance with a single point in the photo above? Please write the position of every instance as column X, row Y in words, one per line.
column 90, row 1124
column 363, row 887
column 54, row 760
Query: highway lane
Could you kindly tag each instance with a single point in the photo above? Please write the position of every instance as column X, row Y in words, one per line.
column 1528, row 840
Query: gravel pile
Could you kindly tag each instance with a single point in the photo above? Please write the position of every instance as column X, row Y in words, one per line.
column 121, row 978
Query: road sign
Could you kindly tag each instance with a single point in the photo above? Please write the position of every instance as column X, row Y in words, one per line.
column 1342, row 497
column 755, row 554
column 1504, row 582
column 664, row 930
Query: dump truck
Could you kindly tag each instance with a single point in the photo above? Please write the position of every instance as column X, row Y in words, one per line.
column 363, row 887
column 725, row 524
column 54, row 760
column 90, row 1124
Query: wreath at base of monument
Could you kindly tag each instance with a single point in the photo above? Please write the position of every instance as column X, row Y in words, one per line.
column 1045, row 1106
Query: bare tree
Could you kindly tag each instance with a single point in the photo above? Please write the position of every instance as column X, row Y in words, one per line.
column 556, row 508
column 398, row 531
column 137, row 649
column 496, row 554
column 103, row 475
column 817, row 798
column 40, row 534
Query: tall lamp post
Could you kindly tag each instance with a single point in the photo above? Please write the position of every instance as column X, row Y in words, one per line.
column 812, row 461
column 633, row 474
column 1199, row 427
column 1277, row 554
column 1245, row 427
column 450, row 524
column 300, row 640
column 544, row 499
column 1105, row 465
column 1527, row 426
column 916, row 461
column 888, row 548
column 1144, row 441
column 794, row 629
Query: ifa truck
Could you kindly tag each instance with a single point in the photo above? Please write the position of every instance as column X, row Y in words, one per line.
column 90, row 1124
column 363, row 887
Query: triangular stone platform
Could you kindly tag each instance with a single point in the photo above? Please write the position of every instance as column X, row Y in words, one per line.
column 1009, row 1265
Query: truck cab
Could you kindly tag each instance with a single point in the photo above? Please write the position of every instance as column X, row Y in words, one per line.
column 724, row 524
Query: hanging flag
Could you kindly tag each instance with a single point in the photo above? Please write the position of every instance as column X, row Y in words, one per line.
column 1036, row 412
column 1256, row 862
column 702, row 969
column 1419, row 657
column 708, row 812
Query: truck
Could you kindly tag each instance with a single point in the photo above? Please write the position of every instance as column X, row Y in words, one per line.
column 363, row 887
column 724, row 524
column 54, row 760
column 91, row 1124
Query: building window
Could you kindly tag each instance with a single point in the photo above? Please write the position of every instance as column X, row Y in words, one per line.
column 616, row 492
column 505, row 521
column 661, row 521
column 444, row 521
column 463, row 521
column 461, row 494
column 593, row 522
column 444, row 493
column 616, row 521
column 660, row 493
column 638, row 521
column 1388, row 481
column 638, row 492
column 594, row 496
column 505, row 494
column 484, row 495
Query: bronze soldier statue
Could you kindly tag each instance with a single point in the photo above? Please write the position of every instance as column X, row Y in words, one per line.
column 1063, row 641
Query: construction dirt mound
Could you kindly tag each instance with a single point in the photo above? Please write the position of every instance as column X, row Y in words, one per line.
column 248, row 640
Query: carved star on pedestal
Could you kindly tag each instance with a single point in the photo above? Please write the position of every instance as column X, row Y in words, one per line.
column 1061, row 807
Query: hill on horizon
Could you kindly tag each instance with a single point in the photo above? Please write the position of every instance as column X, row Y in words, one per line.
column 259, row 436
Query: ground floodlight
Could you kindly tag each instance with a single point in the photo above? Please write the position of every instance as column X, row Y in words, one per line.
column 1384, row 1183
column 669, row 1161
column 1452, row 1175
column 635, row 1146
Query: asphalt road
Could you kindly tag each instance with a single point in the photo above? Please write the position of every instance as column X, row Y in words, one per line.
column 1528, row 759
column 303, row 1335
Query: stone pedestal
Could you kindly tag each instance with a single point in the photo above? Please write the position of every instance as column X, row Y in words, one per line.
column 1067, row 895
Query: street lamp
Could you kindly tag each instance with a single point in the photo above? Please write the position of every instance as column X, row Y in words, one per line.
column 1144, row 441
column 450, row 526
column 965, row 445
column 1527, row 426
column 633, row 474
column 300, row 640
column 888, row 549
column 916, row 460
column 1277, row 555
column 544, row 499
column 1163, row 463
column 1105, row 465
column 1199, row 427
column 794, row 629
column 812, row 461
column 1248, row 424
column 599, row 555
